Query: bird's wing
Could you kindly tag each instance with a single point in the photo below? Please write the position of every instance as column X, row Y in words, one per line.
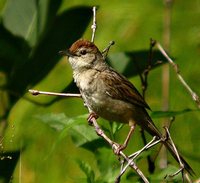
column 118, row 87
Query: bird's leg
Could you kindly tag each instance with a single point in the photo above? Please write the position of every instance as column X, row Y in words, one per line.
column 91, row 116
column 124, row 145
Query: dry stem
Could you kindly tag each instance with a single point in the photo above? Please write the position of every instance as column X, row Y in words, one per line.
column 37, row 92
column 181, row 170
column 106, row 50
column 194, row 96
column 94, row 25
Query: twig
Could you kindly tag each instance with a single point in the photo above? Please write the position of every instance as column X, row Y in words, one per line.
column 94, row 25
column 37, row 92
column 101, row 133
column 144, row 75
column 106, row 50
column 174, row 147
column 177, row 155
column 194, row 96
column 181, row 170
column 152, row 143
column 165, row 74
column 144, row 81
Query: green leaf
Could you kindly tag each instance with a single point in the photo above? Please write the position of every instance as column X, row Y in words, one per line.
column 29, row 19
column 87, row 169
column 82, row 134
column 64, row 30
column 55, row 121
column 12, row 49
column 116, row 127
column 80, row 131
column 166, row 172
column 60, row 121
column 2, row 5
column 162, row 114
column 107, row 165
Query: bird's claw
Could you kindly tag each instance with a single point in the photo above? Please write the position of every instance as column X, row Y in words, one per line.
column 90, row 117
column 117, row 148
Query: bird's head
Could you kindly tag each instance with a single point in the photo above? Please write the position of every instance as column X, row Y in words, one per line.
column 83, row 54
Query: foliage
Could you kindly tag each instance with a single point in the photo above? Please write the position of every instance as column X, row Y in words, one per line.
column 47, row 139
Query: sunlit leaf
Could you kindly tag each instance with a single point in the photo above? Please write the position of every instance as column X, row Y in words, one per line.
column 55, row 121
column 82, row 134
column 80, row 131
column 29, row 19
column 60, row 121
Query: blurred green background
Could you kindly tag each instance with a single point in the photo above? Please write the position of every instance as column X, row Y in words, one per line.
column 47, row 139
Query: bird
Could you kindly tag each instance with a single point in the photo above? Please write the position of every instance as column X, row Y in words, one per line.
column 109, row 94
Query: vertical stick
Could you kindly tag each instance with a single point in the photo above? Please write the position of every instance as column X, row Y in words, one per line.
column 165, row 74
column 94, row 25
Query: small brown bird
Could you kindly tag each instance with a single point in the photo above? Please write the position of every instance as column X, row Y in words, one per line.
column 109, row 94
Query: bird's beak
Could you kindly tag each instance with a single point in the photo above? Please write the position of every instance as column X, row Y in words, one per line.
column 66, row 53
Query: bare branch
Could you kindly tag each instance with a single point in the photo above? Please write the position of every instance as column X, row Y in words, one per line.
column 177, row 155
column 181, row 170
column 37, row 92
column 106, row 50
column 152, row 143
column 174, row 147
column 144, row 81
column 195, row 97
column 167, row 12
column 94, row 25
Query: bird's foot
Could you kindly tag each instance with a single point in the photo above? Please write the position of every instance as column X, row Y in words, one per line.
column 90, row 117
column 117, row 148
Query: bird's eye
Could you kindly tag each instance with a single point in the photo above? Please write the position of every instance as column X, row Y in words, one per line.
column 83, row 52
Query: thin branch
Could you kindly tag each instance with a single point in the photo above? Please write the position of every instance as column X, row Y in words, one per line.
column 181, row 170
column 94, row 25
column 106, row 50
column 152, row 143
column 177, row 155
column 37, row 92
column 144, row 81
column 194, row 96
column 144, row 77
column 165, row 74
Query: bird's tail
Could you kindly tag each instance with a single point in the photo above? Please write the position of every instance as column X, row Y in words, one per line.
column 152, row 129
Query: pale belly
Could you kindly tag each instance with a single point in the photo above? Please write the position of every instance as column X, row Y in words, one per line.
column 108, row 108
